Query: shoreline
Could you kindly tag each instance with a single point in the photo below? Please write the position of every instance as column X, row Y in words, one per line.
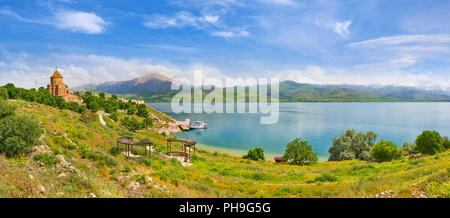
column 240, row 152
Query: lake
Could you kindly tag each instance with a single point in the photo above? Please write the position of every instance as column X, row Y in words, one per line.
column 316, row 122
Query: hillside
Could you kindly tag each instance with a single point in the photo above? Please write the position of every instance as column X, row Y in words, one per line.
column 155, row 87
column 89, row 166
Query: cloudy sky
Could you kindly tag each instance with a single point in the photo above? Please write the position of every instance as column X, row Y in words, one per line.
column 372, row 42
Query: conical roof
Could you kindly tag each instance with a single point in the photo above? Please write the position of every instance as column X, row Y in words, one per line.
column 56, row 74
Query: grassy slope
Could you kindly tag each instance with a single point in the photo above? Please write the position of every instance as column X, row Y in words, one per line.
column 212, row 175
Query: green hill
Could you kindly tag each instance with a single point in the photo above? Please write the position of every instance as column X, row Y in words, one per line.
column 81, row 161
column 156, row 88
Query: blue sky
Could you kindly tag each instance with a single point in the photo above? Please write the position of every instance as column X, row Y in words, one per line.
column 324, row 42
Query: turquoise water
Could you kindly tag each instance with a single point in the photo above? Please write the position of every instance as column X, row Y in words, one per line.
column 318, row 123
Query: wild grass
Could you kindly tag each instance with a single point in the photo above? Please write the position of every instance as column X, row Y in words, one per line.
column 91, row 148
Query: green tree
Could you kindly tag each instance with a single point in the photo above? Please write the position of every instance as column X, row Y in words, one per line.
column 142, row 110
column 352, row 145
column 409, row 148
column 12, row 91
column 93, row 106
column 6, row 109
column 3, row 93
column 255, row 154
column 148, row 122
column 18, row 134
column 446, row 142
column 131, row 110
column 429, row 142
column 114, row 116
column 102, row 95
column 131, row 124
column 299, row 152
column 385, row 151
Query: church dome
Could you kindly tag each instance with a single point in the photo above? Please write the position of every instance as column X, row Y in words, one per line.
column 56, row 74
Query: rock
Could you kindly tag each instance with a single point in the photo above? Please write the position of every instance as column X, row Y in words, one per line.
column 148, row 179
column 40, row 149
column 134, row 185
column 92, row 195
column 62, row 175
column 31, row 176
column 30, row 169
column 42, row 188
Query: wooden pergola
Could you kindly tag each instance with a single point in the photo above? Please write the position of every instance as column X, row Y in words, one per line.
column 186, row 152
column 130, row 142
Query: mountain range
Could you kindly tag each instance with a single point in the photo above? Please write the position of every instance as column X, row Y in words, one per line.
column 156, row 87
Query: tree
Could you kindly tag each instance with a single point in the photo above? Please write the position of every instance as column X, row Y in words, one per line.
column 12, row 91
column 409, row 148
column 446, row 142
column 148, row 122
column 114, row 116
column 299, row 152
column 18, row 134
column 3, row 93
column 255, row 154
column 142, row 110
column 429, row 142
column 131, row 124
column 6, row 109
column 352, row 145
column 102, row 95
column 93, row 106
column 385, row 151
column 131, row 110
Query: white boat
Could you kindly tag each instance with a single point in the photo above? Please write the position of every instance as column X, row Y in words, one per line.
column 198, row 125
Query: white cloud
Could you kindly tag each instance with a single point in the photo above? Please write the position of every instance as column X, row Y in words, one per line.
column 76, row 21
column 180, row 19
column 341, row 28
column 403, row 39
column 79, row 21
column 230, row 34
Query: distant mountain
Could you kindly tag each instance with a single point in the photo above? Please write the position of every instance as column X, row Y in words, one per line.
column 153, row 82
column 292, row 91
column 155, row 87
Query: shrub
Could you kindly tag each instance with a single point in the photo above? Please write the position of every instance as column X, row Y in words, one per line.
column 409, row 148
column 132, row 124
column 18, row 134
column 114, row 116
column 439, row 189
column 142, row 110
column 47, row 159
column 131, row 110
column 446, row 142
column 6, row 109
column 88, row 116
column 299, row 152
column 325, row 178
column 429, row 142
column 148, row 122
column 3, row 93
column 352, row 145
column 386, row 151
column 255, row 154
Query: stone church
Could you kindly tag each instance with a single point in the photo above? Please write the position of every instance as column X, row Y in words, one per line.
column 58, row 88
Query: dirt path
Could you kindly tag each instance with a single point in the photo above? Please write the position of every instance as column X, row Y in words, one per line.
column 100, row 116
